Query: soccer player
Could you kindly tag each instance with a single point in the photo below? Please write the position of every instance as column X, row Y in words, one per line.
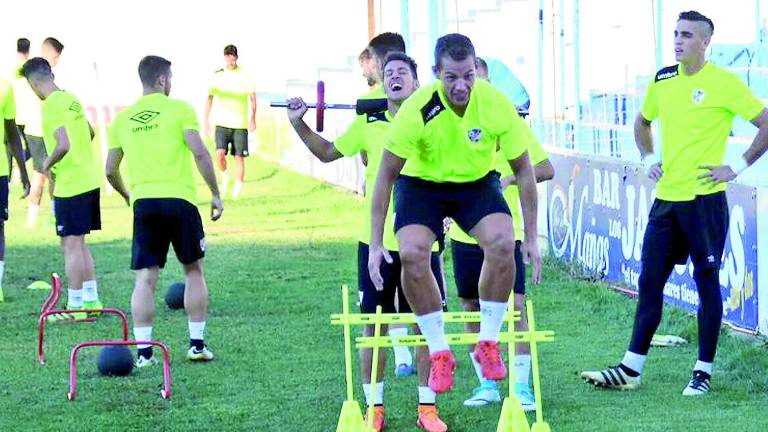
column 159, row 138
column 506, row 81
column 51, row 50
column 368, row 134
column 695, row 102
column 444, row 141
column 228, row 98
column 10, row 138
column 467, row 263
column 74, row 164
column 19, row 83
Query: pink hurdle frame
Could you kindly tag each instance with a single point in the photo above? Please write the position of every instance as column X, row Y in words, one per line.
column 53, row 299
column 165, row 392
column 44, row 315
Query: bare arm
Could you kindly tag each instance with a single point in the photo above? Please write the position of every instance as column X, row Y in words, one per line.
column 252, row 123
column 526, row 183
column 726, row 173
column 389, row 170
column 644, row 142
column 323, row 149
column 207, row 115
column 543, row 171
column 61, row 149
column 14, row 142
column 112, row 169
column 205, row 167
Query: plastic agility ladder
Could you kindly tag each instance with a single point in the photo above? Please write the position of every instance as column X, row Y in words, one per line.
column 512, row 418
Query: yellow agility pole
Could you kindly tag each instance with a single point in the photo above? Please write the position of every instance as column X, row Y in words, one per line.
column 351, row 418
column 409, row 318
column 453, row 339
column 374, row 368
column 540, row 425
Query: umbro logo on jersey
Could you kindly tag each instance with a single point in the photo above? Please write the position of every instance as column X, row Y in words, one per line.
column 75, row 107
column 698, row 96
column 475, row 135
column 145, row 116
column 432, row 108
column 666, row 73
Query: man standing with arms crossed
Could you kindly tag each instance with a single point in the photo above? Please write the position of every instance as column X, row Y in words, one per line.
column 695, row 102
column 229, row 97
column 444, row 141
column 159, row 138
column 74, row 165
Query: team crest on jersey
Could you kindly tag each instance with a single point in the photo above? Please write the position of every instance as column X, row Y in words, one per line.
column 475, row 135
column 698, row 96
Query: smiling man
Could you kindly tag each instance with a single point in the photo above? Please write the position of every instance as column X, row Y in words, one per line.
column 695, row 102
column 442, row 145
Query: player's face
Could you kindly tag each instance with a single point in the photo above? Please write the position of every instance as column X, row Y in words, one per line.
column 230, row 61
column 50, row 54
column 399, row 82
column 691, row 40
column 458, row 77
column 35, row 84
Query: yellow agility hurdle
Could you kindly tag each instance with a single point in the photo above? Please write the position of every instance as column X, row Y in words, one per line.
column 512, row 418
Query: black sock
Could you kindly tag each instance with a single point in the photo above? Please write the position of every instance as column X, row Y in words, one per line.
column 197, row 343
column 145, row 352
column 630, row 372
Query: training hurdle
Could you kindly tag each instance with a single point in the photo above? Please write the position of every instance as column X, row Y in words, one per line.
column 512, row 418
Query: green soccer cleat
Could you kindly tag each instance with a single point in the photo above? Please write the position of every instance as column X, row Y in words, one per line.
column 143, row 362
column 202, row 355
column 96, row 304
column 67, row 316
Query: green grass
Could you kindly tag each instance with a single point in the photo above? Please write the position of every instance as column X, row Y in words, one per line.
column 274, row 266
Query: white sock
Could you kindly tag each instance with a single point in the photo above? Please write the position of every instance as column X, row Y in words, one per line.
column 634, row 361
column 237, row 189
column 402, row 353
column 196, row 329
column 379, row 400
column 491, row 319
column 143, row 334
column 703, row 366
column 32, row 212
column 224, row 183
column 90, row 291
column 522, row 368
column 432, row 326
column 74, row 298
column 426, row 395
column 479, row 370
column 2, row 271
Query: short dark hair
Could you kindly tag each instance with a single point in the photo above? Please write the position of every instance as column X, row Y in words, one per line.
column 151, row 67
column 55, row 44
column 22, row 46
column 456, row 46
column 696, row 16
column 403, row 57
column 37, row 66
column 230, row 50
column 384, row 43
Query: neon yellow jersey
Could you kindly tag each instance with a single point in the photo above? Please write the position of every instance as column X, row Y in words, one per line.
column 537, row 155
column 231, row 89
column 8, row 111
column 79, row 171
column 151, row 134
column 440, row 146
column 696, row 114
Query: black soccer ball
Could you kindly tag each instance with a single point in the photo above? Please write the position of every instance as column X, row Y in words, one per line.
column 115, row 360
column 174, row 296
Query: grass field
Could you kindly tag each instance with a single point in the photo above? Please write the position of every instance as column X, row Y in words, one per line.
column 275, row 263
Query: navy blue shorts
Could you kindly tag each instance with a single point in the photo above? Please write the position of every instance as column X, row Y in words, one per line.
column 392, row 299
column 422, row 202
column 4, row 198
column 467, row 263
column 78, row 215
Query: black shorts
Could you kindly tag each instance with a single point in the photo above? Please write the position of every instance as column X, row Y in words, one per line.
column 233, row 141
column 4, row 198
column 427, row 203
column 392, row 299
column 37, row 151
column 677, row 230
column 467, row 263
column 160, row 222
column 78, row 215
